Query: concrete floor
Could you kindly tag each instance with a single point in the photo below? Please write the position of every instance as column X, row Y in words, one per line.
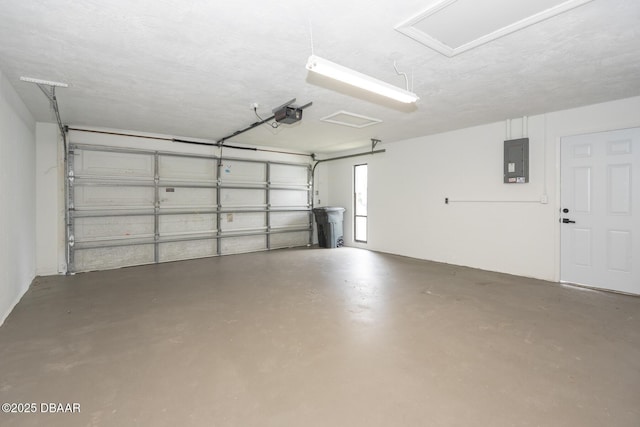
column 319, row 337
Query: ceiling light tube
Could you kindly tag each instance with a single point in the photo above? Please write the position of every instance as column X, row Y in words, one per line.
column 354, row 78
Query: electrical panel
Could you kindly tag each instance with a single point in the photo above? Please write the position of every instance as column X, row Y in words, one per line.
column 516, row 161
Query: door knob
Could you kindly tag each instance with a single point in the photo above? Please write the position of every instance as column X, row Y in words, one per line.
column 567, row 221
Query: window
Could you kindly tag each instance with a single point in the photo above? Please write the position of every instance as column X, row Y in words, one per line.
column 360, row 202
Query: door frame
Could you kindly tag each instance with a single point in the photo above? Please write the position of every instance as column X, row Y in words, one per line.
column 558, row 196
column 355, row 215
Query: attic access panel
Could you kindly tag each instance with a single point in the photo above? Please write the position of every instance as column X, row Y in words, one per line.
column 452, row 27
column 353, row 120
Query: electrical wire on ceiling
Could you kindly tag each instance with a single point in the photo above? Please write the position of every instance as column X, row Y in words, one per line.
column 274, row 125
column 311, row 36
column 406, row 78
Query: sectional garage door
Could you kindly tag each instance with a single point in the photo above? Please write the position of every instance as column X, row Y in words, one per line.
column 130, row 207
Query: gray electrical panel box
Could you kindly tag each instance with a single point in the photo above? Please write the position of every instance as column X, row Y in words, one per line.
column 516, row 161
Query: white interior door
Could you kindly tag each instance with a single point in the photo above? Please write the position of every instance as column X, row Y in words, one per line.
column 600, row 210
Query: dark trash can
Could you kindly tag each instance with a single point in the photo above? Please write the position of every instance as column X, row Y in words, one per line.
column 329, row 221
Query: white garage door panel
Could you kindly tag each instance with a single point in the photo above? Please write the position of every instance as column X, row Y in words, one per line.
column 179, row 197
column 289, row 198
column 235, row 245
column 289, row 219
column 242, row 198
column 239, row 222
column 243, row 172
column 171, row 168
column 104, row 228
column 175, row 251
column 191, row 223
column 113, row 165
column 238, row 200
column 108, row 197
column 106, row 258
column 289, row 175
column 289, row 240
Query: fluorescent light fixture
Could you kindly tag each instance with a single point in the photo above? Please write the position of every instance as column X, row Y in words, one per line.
column 43, row 82
column 354, row 78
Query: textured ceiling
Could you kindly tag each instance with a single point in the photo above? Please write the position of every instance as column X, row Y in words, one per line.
column 194, row 68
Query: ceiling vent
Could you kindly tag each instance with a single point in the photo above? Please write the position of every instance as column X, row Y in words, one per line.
column 455, row 26
column 353, row 120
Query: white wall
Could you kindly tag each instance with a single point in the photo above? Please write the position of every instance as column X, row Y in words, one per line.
column 408, row 185
column 17, row 198
column 49, row 203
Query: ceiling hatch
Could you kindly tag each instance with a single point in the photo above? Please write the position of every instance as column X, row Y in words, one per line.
column 455, row 26
column 353, row 120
